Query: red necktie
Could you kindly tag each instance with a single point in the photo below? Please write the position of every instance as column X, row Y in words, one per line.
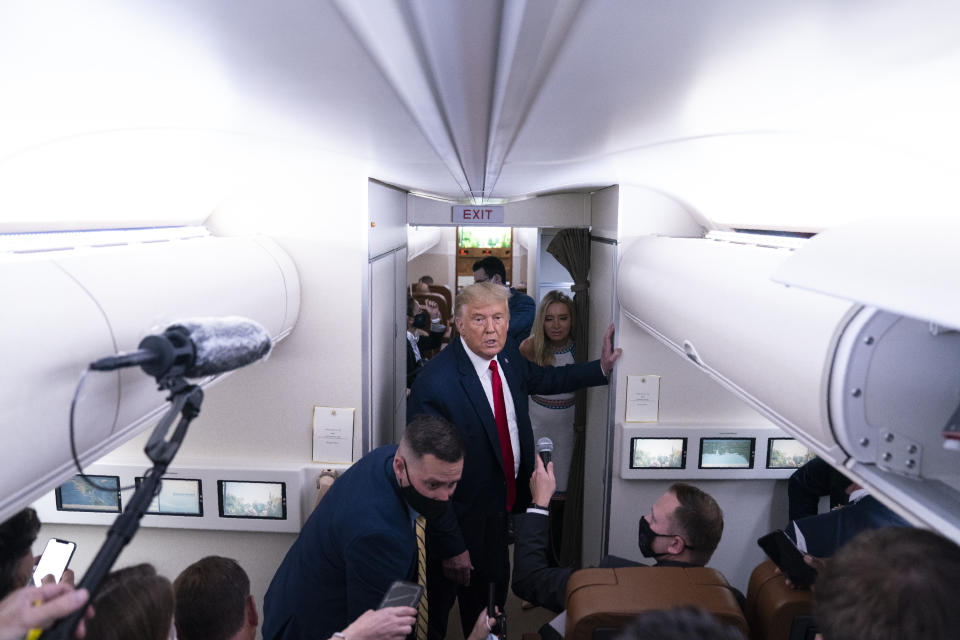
column 503, row 430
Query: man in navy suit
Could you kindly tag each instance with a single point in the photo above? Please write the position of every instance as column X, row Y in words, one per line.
column 522, row 307
column 361, row 538
column 480, row 383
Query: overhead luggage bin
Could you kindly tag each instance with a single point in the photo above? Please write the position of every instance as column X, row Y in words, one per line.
column 895, row 384
column 69, row 306
column 873, row 389
column 714, row 303
column 910, row 268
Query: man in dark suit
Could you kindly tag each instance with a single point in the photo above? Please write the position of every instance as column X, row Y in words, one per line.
column 821, row 535
column 522, row 307
column 480, row 382
column 361, row 537
column 682, row 529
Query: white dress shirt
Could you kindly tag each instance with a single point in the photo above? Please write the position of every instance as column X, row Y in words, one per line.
column 412, row 339
column 482, row 365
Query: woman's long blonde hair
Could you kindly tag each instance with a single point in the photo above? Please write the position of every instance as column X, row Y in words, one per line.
column 543, row 354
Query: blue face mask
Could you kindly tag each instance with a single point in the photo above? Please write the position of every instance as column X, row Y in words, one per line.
column 429, row 508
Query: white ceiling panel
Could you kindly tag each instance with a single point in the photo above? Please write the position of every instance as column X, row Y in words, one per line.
column 724, row 105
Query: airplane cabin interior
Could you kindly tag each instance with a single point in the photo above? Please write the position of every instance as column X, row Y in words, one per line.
column 762, row 191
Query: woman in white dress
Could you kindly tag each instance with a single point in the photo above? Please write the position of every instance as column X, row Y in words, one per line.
column 551, row 343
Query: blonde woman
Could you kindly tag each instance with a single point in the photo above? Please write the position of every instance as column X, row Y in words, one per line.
column 551, row 344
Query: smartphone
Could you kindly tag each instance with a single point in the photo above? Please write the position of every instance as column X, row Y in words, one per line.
column 54, row 559
column 402, row 594
column 784, row 553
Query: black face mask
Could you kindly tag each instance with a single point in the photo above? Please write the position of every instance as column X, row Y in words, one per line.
column 429, row 508
column 421, row 320
column 645, row 539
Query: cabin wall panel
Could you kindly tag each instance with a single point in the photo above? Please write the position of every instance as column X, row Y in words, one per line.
column 428, row 211
column 625, row 212
column 559, row 210
column 440, row 266
column 550, row 274
column 644, row 211
column 264, row 413
column 596, row 480
column 529, row 239
column 315, row 208
column 688, row 396
column 399, row 377
column 381, row 354
column 388, row 219
column 604, row 212
column 384, row 321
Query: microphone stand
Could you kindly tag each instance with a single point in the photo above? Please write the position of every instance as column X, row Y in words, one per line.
column 186, row 399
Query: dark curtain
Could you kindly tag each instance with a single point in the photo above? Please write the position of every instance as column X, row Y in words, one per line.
column 571, row 248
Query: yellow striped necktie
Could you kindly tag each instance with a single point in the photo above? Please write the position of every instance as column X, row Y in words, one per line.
column 422, row 578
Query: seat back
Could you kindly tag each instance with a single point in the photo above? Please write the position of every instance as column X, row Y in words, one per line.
column 611, row 598
column 774, row 610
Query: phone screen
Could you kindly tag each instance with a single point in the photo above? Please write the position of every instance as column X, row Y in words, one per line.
column 402, row 594
column 781, row 550
column 54, row 560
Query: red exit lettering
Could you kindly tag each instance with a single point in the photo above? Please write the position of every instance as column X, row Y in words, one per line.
column 477, row 214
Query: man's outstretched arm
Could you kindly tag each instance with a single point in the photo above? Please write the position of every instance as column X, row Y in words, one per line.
column 534, row 579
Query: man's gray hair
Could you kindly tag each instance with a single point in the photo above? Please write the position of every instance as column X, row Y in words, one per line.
column 481, row 293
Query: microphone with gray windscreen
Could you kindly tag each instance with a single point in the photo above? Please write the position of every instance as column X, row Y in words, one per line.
column 545, row 450
column 195, row 348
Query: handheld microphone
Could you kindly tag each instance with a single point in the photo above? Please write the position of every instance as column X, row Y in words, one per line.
column 545, row 450
column 195, row 348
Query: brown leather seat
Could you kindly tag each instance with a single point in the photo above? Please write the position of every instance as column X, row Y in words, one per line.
column 772, row 606
column 611, row 598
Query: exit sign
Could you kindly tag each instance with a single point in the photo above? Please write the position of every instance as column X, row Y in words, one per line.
column 478, row 214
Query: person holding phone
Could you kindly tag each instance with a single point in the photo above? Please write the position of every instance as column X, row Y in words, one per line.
column 54, row 560
column 17, row 535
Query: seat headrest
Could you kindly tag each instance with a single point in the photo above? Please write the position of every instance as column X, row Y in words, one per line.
column 611, row 598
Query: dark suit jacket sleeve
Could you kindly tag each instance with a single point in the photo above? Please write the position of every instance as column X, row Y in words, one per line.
column 550, row 380
column 372, row 563
column 534, row 579
column 827, row 532
column 523, row 311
